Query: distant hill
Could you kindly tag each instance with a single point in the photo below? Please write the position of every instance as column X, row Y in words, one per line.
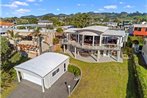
column 108, row 14
column 29, row 16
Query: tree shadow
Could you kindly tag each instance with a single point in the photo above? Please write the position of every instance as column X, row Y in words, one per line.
column 132, row 87
column 141, row 61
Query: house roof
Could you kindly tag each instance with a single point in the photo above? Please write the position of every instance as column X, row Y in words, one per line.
column 96, row 28
column 44, row 21
column 72, row 30
column 103, row 29
column 140, row 25
column 114, row 33
column 43, row 64
column 6, row 23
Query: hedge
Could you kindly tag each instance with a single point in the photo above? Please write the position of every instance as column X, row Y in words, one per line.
column 141, row 75
column 75, row 70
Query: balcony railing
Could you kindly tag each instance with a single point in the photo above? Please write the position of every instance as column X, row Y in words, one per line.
column 102, row 47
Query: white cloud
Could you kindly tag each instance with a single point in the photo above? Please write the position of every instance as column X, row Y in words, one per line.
column 78, row 4
column 110, row 7
column 40, row 0
column 128, row 6
column 58, row 9
column 15, row 4
column 20, row 3
column 41, row 9
column 101, row 9
column 31, row 0
column 22, row 11
column 121, row 2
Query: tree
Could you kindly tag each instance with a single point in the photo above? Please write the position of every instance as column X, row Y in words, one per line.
column 81, row 20
column 38, row 37
column 13, row 36
column 59, row 30
column 5, row 49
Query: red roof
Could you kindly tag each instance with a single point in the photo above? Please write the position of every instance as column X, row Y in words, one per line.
column 6, row 23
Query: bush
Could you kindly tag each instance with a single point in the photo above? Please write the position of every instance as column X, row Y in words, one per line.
column 59, row 30
column 75, row 70
column 141, row 77
column 55, row 41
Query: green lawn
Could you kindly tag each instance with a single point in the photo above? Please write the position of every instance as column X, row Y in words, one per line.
column 104, row 80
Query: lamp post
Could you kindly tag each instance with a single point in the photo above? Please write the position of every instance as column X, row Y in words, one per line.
column 69, row 89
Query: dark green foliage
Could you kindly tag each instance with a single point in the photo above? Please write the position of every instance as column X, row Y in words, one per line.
column 59, row 30
column 10, row 58
column 55, row 41
column 75, row 70
column 141, row 76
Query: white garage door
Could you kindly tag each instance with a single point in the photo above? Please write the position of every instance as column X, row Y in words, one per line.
column 32, row 78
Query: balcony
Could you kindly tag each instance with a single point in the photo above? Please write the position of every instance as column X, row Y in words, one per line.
column 90, row 47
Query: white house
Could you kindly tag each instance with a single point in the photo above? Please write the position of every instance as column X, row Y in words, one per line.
column 144, row 50
column 97, row 41
column 43, row 70
column 45, row 23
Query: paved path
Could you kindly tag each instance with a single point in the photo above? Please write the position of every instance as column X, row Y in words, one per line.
column 27, row 89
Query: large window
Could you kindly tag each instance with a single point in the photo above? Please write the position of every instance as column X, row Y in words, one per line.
column 55, row 72
column 137, row 29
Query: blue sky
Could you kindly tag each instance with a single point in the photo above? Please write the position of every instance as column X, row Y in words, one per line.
column 39, row 7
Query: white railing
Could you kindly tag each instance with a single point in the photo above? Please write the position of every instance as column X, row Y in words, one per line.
column 102, row 47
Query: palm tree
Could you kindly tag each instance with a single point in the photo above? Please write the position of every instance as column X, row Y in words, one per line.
column 38, row 37
column 13, row 36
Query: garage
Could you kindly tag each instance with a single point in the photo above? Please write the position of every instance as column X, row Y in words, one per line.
column 32, row 78
column 43, row 70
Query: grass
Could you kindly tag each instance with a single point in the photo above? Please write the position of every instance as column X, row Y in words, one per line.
column 7, row 91
column 103, row 80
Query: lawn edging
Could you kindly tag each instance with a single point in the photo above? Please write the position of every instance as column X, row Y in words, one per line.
column 79, row 79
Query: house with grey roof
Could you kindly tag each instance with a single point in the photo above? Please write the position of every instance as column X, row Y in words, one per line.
column 96, row 42
column 45, row 23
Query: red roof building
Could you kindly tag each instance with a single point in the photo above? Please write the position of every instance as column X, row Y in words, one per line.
column 140, row 29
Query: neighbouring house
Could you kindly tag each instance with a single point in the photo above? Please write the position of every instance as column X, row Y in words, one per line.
column 67, row 27
column 112, row 24
column 96, row 41
column 43, row 70
column 4, row 27
column 144, row 50
column 6, row 24
column 138, row 30
column 45, row 23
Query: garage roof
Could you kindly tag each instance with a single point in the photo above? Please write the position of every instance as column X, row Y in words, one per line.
column 43, row 64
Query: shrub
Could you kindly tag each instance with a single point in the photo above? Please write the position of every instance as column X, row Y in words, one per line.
column 55, row 41
column 59, row 30
column 75, row 70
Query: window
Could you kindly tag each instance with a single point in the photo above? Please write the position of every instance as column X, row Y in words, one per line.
column 139, row 29
column 64, row 67
column 55, row 72
column 135, row 29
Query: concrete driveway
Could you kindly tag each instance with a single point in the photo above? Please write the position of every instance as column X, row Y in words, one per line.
column 28, row 89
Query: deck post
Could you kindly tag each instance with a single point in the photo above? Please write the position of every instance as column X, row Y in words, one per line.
column 18, row 76
column 98, row 55
column 78, row 38
column 82, row 40
column 43, row 89
column 75, row 51
column 93, row 40
column 101, row 38
column 64, row 48
column 118, row 55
